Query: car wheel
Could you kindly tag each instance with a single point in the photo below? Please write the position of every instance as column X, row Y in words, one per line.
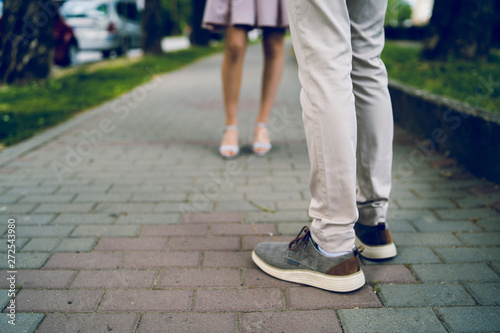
column 70, row 57
column 106, row 54
column 123, row 49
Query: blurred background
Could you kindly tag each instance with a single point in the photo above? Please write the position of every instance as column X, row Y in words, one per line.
column 47, row 46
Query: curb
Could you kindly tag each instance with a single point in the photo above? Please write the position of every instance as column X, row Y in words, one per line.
column 470, row 134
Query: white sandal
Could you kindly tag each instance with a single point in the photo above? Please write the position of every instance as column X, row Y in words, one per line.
column 261, row 145
column 229, row 148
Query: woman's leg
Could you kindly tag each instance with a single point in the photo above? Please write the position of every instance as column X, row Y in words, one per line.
column 232, row 68
column 274, row 60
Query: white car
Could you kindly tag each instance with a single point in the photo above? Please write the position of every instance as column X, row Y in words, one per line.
column 104, row 25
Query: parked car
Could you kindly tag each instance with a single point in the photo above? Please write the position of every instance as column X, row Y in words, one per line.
column 65, row 43
column 104, row 25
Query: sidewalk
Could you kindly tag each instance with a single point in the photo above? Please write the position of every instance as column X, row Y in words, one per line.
column 128, row 221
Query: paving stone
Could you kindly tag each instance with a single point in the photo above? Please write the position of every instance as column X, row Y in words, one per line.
column 407, row 214
column 407, row 255
column 388, row 274
column 174, row 230
column 390, row 320
column 312, row 298
column 295, row 216
column 441, row 226
column 135, row 244
column 400, row 226
column 211, row 300
column 35, row 219
column 465, row 214
column 483, row 189
column 293, row 205
column 495, row 266
column 455, row 273
column 158, row 197
column 29, row 300
column 10, row 198
column 291, row 228
column 204, row 243
column 43, row 230
column 428, row 239
column 250, row 242
column 14, row 209
column 84, row 260
column 193, row 206
column 45, row 244
column 25, row 260
column 424, row 295
column 256, row 278
column 228, row 259
column 39, row 279
column 65, row 208
column 25, row 323
column 485, row 293
column 116, row 279
column 106, row 230
column 148, row 219
column 84, row 219
column 239, row 206
column 480, row 238
column 189, row 322
column 76, row 244
column 290, row 321
column 292, row 195
column 89, row 323
column 199, row 278
column 471, row 319
column 213, row 218
column 115, row 197
column 84, row 188
column 20, row 242
column 155, row 259
column 146, row 301
column 47, row 198
column 4, row 296
column 232, row 229
column 481, row 201
column 129, row 208
column 426, row 203
column 490, row 224
column 468, row 254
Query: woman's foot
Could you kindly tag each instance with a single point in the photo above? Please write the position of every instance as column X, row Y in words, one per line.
column 262, row 142
column 229, row 146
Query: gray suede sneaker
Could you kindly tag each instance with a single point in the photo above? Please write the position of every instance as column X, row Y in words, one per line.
column 299, row 261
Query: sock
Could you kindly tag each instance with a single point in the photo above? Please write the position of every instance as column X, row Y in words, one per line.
column 329, row 254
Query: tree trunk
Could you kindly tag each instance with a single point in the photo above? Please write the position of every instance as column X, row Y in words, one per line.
column 199, row 36
column 26, row 45
column 174, row 16
column 462, row 29
column 152, row 28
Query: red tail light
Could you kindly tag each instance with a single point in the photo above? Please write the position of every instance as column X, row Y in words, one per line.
column 112, row 28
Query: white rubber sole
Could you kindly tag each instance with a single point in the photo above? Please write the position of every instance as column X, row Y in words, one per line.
column 377, row 252
column 319, row 280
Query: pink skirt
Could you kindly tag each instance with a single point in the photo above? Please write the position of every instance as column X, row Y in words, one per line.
column 252, row 13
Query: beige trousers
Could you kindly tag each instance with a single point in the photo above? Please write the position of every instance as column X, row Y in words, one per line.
column 347, row 114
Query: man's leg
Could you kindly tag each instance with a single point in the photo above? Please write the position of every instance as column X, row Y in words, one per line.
column 322, row 43
column 375, row 126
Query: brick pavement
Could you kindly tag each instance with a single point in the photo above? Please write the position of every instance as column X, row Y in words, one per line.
column 143, row 228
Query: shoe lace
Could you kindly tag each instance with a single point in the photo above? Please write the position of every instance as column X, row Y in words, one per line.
column 300, row 241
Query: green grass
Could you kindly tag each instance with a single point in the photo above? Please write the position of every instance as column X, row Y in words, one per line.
column 476, row 83
column 26, row 110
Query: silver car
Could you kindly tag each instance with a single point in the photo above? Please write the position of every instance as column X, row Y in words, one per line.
column 104, row 25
